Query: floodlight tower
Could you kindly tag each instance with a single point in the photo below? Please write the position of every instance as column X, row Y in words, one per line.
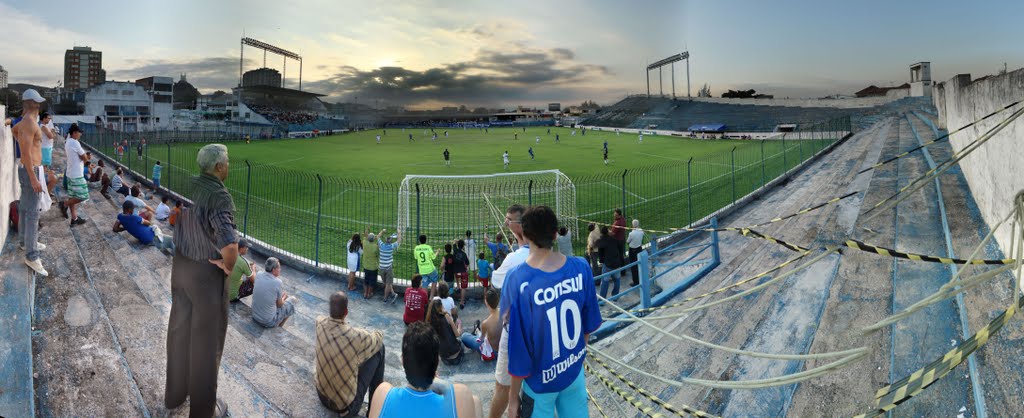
column 670, row 61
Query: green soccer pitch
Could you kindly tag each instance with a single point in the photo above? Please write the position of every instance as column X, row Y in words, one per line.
column 357, row 155
column 308, row 196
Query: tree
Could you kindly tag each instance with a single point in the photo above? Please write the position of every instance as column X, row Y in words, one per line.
column 704, row 91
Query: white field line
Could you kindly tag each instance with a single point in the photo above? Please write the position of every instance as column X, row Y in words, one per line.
column 330, row 199
column 627, row 192
column 660, row 156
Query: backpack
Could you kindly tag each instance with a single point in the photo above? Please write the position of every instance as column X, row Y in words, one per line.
column 499, row 257
column 12, row 215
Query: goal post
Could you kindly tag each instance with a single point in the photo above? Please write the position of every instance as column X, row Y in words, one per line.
column 445, row 207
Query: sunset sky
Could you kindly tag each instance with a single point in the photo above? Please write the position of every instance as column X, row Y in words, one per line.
column 427, row 53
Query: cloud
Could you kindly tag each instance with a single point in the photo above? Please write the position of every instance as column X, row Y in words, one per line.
column 489, row 78
column 206, row 74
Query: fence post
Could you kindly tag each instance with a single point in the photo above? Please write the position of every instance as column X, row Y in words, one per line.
column 802, row 149
column 763, row 178
column 624, row 191
column 732, row 157
column 417, row 211
column 248, row 183
column 689, row 193
column 785, row 163
column 714, row 239
column 529, row 193
column 170, row 164
column 319, row 208
column 645, row 279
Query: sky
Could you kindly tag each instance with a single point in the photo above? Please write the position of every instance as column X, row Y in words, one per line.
column 431, row 53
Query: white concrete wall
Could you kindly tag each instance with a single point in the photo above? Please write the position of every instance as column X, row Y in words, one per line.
column 9, row 187
column 994, row 172
column 836, row 103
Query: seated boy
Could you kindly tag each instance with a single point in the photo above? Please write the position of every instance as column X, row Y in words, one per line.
column 141, row 229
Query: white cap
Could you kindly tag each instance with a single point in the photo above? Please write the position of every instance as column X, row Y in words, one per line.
column 33, row 95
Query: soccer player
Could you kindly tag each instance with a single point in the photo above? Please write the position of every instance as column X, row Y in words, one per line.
column 538, row 139
column 504, row 158
column 641, row 138
column 552, row 309
column 531, row 152
column 447, row 161
column 410, row 138
column 516, row 137
column 378, row 139
column 573, row 132
column 556, row 138
column 434, row 138
column 606, row 145
column 445, row 134
column 606, row 156
column 549, row 131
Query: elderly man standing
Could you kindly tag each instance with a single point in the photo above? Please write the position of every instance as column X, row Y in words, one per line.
column 349, row 360
column 33, row 181
column 207, row 248
column 635, row 242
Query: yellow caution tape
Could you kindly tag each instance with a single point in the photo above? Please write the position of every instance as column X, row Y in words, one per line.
column 859, row 245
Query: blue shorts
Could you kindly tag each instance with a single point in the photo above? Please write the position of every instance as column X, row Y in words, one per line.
column 429, row 279
column 47, row 156
column 156, row 181
column 571, row 402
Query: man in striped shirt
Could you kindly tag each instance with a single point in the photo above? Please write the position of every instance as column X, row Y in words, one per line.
column 386, row 248
column 207, row 248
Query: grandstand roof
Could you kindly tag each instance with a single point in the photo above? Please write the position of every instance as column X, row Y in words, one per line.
column 707, row 127
column 279, row 91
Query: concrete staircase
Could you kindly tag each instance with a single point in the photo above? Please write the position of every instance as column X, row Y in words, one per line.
column 16, row 294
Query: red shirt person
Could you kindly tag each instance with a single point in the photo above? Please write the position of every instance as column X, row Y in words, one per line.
column 415, row 301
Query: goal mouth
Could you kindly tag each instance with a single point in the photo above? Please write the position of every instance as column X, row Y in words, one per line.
column 445, row 206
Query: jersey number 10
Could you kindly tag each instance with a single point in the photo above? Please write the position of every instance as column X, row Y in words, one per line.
column 569, row 307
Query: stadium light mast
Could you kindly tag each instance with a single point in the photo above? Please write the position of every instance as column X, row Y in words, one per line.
column 670, row 61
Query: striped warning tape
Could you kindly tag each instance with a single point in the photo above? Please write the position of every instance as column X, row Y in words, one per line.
column 747, row 232
column 667, row 406
column 941, row 138
column 596, row 405
column 860, row 245
column 720, row 290
column 893, row 395
column 646, row 410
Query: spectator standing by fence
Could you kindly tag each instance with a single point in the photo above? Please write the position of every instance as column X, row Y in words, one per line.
column 386, row 249
column 635, row 242
column 157, row 169
column 371, row 264
column 618, row 230
column 354, row 248
column 610, row 254
column 592, row 253
column 207, row 249
column 564, row 241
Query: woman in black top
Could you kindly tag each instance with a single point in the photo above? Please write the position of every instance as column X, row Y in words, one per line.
column 611, row 257
column 447, row 332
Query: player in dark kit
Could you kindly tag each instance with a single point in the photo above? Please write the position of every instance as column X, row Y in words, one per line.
column 447, row 161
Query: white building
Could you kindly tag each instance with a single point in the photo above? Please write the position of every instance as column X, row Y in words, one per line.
column 128, row 106
column 3, row 77
column 921, row 79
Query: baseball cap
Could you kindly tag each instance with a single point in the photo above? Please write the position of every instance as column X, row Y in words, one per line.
column 33, row 95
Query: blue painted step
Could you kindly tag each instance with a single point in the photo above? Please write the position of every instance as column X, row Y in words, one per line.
column 16, row 393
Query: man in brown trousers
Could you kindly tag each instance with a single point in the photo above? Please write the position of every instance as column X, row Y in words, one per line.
column 207, row 248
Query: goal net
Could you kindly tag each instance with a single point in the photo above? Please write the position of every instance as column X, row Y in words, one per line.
column 445, row 207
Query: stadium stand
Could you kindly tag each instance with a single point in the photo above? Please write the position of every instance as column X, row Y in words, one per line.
column 639, row 112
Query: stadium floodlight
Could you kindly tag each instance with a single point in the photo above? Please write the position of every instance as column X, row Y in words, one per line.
column 671, row 61
column 274, row 50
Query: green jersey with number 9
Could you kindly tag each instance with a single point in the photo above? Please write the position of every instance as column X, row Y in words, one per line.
column 424, row 258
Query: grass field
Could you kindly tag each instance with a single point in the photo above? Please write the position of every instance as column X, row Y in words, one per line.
column 308, row 196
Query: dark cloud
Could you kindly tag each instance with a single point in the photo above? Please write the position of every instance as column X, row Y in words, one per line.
column 210, row 73
column 490, row 78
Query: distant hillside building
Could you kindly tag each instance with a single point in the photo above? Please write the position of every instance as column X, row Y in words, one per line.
column 3, row 77
column 83, row 68
column 875, row 91
column 921, row 79
column 129, row 106
column 261, row 77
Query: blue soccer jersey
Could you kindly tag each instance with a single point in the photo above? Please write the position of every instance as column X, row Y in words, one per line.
column 547, row 323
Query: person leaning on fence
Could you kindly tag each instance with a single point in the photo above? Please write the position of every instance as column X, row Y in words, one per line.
column 592, row 253
column 462, row 264
column 425, row 256
column 349, row 360
column 618, row 230
column 207, row 249
column 242, row 279
column 371, row 264
column 422, row 396
column 635, row 242
column 386, row 249
column 554, row 293
column 564, row 241
column 353, row 249
column 610, row 254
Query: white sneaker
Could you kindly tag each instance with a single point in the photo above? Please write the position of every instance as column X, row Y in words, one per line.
column 37, row 266
column 39, row 246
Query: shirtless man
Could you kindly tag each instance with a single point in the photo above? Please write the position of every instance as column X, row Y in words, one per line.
column 30, row 145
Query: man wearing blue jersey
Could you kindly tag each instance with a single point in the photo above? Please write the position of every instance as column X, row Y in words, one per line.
column 551, row 312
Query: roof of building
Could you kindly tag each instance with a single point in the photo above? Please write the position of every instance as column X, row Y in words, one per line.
column 279, row 90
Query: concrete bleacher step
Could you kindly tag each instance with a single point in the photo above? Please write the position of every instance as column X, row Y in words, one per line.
column 16, row 389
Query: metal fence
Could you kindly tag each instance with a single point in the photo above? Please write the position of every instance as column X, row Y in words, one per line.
column 312, row 216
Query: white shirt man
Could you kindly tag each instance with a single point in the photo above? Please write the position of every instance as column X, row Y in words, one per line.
column 504, row 158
